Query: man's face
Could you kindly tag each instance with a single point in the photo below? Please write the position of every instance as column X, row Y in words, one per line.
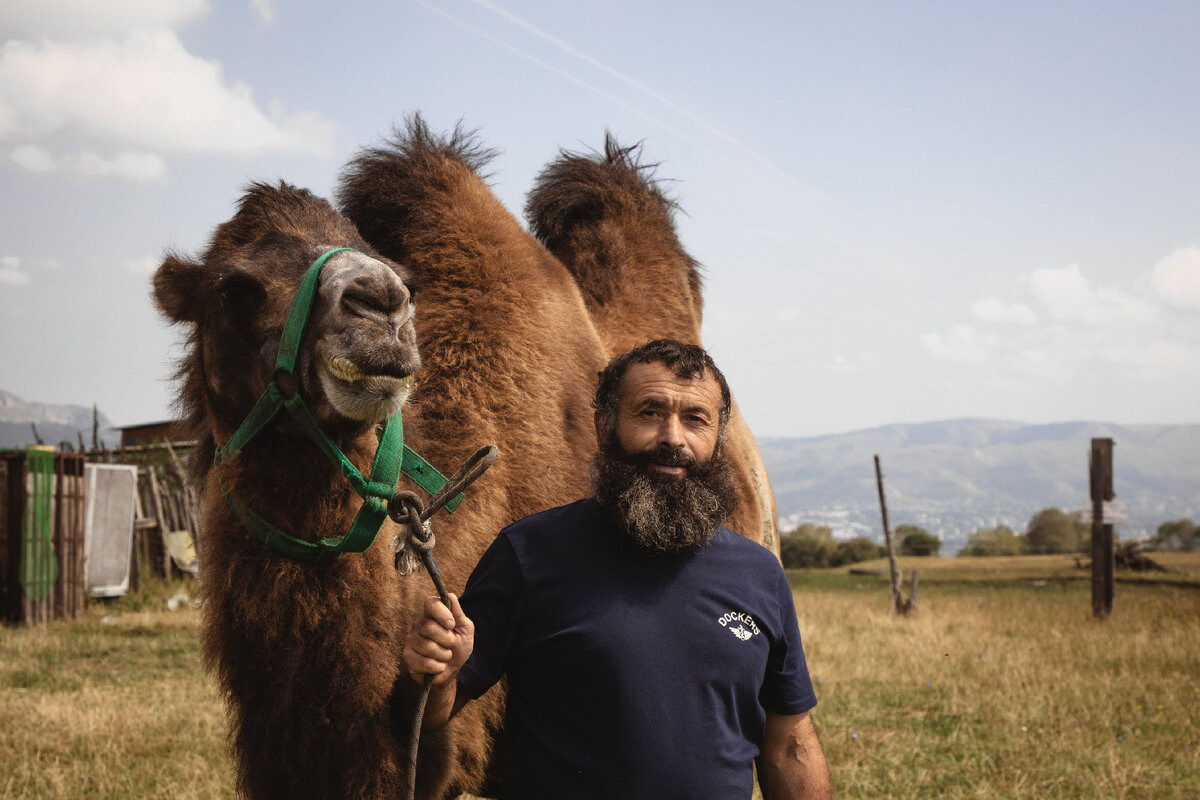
column 675, row 419
column 659, row 469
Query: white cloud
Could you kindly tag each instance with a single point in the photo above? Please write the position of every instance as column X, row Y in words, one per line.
column 134, row 166
column 1176, row 279
column 11, row 273
column 962, row 344
column 71, row 18
column 114, row 77
column 1071, row 328
column 996, row 310
column 1069, row 297
column 143, row 167
column 265, row 10
column 34, row 158
column 148, row 91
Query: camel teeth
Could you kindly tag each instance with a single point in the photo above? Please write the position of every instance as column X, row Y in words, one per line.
column 343, row 370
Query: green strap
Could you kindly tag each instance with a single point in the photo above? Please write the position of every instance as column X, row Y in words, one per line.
column 293, row 330
column 427, row 477
column 264, row 411
column 392, row 457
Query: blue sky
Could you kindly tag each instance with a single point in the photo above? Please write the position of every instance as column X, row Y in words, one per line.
column 907, row 211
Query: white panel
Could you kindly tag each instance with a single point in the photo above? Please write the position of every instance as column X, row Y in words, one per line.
column 108, row 527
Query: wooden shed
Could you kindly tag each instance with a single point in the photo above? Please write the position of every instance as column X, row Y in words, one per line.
column 148, row 433
column 41, row 536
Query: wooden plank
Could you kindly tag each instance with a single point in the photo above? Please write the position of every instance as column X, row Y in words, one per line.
column 1100, row 484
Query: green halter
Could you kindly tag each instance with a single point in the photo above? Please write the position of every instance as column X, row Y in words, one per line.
column 391, row 458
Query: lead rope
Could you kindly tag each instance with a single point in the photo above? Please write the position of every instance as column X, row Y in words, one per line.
column 415, row 547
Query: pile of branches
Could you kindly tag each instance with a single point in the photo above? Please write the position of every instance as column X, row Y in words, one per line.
column 1132, row 556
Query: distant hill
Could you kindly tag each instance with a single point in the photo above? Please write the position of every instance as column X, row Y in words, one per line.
column 954, row 477
column 55, row 423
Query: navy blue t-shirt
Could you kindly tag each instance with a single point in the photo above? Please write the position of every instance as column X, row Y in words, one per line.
column 631, row 675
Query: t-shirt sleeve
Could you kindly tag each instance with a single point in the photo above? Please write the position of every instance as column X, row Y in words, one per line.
column 787, row 688
column 494, row 599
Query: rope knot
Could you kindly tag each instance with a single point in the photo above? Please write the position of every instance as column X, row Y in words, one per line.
column 416, row 540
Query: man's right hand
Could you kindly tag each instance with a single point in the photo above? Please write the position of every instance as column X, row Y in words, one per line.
column 440, row 642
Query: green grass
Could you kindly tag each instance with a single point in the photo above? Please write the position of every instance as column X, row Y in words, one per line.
column 1000, row 685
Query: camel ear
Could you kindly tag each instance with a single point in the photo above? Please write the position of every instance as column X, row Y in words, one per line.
column 189, row 292
column 181, row 289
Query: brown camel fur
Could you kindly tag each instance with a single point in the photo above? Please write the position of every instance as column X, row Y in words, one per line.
column 511, row 356
column 306, row 654
column 609, row 221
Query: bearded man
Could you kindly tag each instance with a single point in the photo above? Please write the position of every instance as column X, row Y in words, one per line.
column 650, row 652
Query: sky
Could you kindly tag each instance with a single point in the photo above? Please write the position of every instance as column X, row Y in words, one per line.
column 906, row 211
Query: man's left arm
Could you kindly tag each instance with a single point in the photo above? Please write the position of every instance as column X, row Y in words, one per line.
column 792, row 764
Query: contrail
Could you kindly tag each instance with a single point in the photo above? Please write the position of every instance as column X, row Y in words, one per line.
column 632, row 82
column 560, row 72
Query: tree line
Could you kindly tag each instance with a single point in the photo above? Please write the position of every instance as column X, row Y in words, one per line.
column 1051, row 530
column 812, row 546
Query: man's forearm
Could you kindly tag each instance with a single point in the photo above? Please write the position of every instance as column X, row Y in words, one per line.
column 792, row 765
column 795, row 780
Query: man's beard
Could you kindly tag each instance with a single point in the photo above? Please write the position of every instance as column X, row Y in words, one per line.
column 664, row 513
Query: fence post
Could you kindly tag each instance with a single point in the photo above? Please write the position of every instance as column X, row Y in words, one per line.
column 1100, row 480
column 902, row 606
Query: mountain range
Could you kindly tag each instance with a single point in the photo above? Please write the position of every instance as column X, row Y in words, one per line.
column 55, row 423
column 954, row 477
column 950, row 478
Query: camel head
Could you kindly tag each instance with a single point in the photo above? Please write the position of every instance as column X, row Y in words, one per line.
column 356, row 359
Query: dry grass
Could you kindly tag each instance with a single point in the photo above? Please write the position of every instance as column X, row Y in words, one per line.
column 112, row 706
column 1001, row 685
column 1014, row 691
column 1181, row 568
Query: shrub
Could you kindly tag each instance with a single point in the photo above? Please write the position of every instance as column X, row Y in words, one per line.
column 1053, row 530
column 1001, row 541
column 916, row 541
column 812, row 546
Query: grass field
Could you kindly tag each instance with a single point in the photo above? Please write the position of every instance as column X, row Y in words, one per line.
column 1001, row 685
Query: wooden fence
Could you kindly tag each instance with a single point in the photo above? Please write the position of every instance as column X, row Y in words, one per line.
column 42, row 570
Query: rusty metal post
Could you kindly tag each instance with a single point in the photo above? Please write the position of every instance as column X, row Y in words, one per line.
column 1100, row 480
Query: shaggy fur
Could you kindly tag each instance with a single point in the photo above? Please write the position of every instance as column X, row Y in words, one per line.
column 305, row 654
column 610, row 222
column 510, row 353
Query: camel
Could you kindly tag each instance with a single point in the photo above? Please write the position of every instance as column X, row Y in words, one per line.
column 502, row 345
column 308, row 653
column 510, row 356
column 611, row 224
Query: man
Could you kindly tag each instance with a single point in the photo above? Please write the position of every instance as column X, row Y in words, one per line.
column 650, row 652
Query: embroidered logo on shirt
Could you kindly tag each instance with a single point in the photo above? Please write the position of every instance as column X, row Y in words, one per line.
column 740, row 624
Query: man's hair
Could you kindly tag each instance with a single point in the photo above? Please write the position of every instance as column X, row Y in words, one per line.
column 685, row 360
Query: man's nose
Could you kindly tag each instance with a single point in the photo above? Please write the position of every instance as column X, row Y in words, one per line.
column 670, row 433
